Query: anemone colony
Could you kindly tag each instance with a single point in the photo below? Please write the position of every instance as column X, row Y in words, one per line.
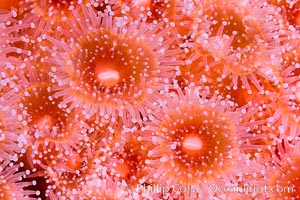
column 124, row 99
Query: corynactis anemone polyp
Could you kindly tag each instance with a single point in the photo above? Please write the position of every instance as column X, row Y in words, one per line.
column 237, row 38
column 50, row 126
column 68, row 175
column 203, row 70
column 103, row 72
column 86, row 172
column 79, row 173
column 46, row 118
column 196, row 139
column 111, row 69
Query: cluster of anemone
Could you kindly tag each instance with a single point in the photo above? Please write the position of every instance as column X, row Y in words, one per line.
column 162, row 99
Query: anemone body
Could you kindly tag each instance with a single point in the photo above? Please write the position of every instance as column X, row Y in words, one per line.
column 238, row 39
column 195, row 139
column 104, row 73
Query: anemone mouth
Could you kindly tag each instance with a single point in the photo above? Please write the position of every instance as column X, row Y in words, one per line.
column 192, row 144
column 198, row 139
column 112, row 68
column 46, row 118
column 56, row 9
column 107, row 76
column 243, row 41
column 44, row 123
